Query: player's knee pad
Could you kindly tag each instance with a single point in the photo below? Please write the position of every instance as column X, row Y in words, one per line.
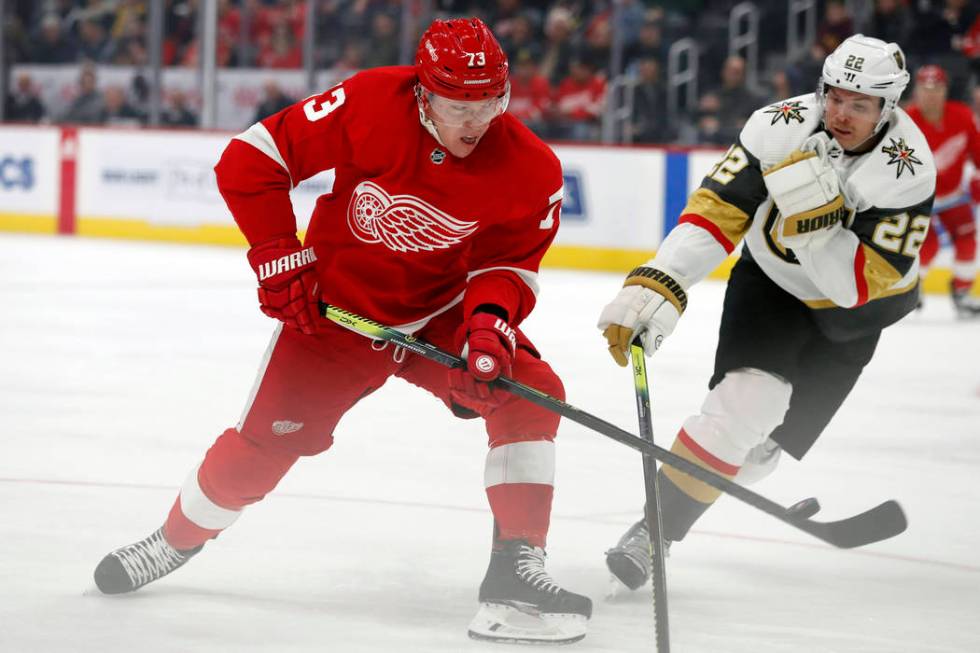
column 760, row 462
column 522, row 420
column 739, row 413
column 238, row 471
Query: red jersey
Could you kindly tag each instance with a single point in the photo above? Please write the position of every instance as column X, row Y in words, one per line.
column 408, row 229
column 581, row 100
column 952, row 141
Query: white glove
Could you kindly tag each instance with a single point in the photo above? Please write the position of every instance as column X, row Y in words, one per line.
column 806, row 190
column 802, row 182
column 639, row 310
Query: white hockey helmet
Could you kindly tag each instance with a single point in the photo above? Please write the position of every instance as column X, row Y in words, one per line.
column 867, row 65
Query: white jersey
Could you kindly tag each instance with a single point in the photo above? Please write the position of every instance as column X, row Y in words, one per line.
column 866, row 276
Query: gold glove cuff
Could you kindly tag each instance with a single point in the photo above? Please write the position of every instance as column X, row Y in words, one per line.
column 661, row 283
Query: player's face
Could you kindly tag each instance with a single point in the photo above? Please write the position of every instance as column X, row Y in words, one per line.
column 462, row 124
column 851, row 117
column 930, row 98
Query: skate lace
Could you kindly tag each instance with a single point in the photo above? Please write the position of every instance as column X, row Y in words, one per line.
column 530, row 569
column 149, row 559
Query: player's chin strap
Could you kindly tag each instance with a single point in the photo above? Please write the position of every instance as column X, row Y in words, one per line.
column 879, row 523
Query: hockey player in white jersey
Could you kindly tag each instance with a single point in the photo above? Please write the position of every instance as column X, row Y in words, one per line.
column 831, row 193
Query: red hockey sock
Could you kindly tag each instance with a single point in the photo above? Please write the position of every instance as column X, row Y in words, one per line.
column 182, row 533
column 522, row 511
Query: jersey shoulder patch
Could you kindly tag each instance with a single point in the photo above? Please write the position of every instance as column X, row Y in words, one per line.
column 775, row 130
column 898, row 172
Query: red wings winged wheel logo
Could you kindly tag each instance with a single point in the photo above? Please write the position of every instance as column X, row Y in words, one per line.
column 402, row 223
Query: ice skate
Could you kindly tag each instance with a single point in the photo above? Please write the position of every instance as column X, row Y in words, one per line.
column 966, row 305
column 131, row 567
column 520, row 603
column 629, row 560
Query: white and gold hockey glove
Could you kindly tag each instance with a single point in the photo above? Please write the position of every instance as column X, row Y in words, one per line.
column 806, row 190
column 649, row 304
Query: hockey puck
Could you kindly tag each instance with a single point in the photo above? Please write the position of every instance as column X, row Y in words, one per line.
column 804, row 509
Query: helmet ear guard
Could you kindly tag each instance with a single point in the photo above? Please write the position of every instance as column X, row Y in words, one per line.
column 866, row 65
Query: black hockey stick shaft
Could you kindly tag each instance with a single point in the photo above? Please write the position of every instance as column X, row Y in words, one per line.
column 658, row 561
column 879, row 523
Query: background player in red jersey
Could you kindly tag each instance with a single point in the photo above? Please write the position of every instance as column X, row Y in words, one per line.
column 951, row 130
column 435, row 228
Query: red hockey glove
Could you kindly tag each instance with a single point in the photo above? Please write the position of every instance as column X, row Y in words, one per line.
column 288, row 285
column 489, row 345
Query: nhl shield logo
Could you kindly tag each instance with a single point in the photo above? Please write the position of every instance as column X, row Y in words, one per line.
column 437, row 156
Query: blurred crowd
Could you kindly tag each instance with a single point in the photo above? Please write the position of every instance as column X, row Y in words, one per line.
column 560, row 51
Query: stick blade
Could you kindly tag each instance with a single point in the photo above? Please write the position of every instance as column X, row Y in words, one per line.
column 874, row 525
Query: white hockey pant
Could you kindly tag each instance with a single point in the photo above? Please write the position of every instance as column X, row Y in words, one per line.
column 736, row 419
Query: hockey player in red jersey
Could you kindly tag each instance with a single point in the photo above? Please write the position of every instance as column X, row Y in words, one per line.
column 830, row 195
column 441, row 211
column 951, row 130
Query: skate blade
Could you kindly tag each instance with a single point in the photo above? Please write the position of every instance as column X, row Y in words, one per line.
column 495, row 622
column 618, row 589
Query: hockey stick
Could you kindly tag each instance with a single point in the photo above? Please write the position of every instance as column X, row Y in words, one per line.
column 878, row 523
column 658, row 562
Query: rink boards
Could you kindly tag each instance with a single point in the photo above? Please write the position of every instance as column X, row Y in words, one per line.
column 159, row 185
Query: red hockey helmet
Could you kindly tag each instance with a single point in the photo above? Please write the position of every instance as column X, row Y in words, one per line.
column 931, row 75
column 460, row 59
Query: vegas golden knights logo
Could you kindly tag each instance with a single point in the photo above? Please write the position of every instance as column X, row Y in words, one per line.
column 901, row 156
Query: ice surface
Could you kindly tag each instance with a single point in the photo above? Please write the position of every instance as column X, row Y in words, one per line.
column 121, row 362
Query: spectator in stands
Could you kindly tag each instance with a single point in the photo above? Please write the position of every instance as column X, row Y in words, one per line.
column 17, row 43
column 559, row 46
column 522, row 38
column 779, row 86
column 92, row 40
column 53, row 45
column 649, row 44
column 709, row 126
column 129, row 47
column 598, row 43
column 87, row 107
column 891, row 22
column 117, row 111
column 803, row 76
column 275, row 101
column 180, row 30
column 939, row 37
column 177, row 113
column 23, row 103
column 139, row 94
column 632, row 17
column 385, row 45
column 351, row 60
column 737, row 99
column 649, row 119
column 501, row 16
column 530, row 93
column 126, row 14
column 835, row 26
column 282, row 50
column 579, row 102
